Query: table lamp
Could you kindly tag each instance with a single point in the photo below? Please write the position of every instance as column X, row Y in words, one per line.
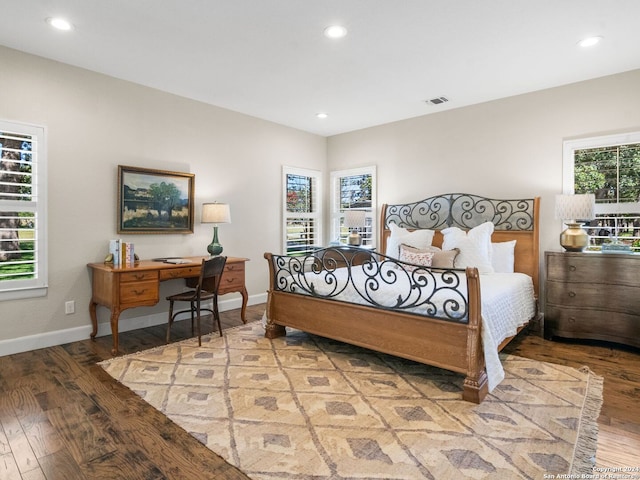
column 215, row 213
column 354, row 219
column 572, row 209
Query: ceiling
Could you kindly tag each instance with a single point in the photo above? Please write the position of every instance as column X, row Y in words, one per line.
column 270, row 59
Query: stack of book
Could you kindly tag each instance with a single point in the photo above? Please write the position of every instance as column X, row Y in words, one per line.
column 123, row 253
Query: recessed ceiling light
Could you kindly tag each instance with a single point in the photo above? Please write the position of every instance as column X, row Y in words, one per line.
column 59, row 23
column 322, row 115
column 589, row 41
column 335, row 31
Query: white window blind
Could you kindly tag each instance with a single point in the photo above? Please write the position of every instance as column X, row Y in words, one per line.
column 23, row 263
column 302, row 212
column 353, row 189
column 608, row 167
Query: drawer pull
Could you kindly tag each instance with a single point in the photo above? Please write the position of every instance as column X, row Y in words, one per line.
column 572, row 268
column 572, row 319
column 139, row 292
column 572, row 294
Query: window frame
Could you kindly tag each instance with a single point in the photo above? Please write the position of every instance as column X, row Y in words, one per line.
column 603, row 141
column 38, row 286
column 316, row 202
column 337, row 215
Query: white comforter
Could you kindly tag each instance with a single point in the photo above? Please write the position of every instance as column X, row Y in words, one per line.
column 508, row 302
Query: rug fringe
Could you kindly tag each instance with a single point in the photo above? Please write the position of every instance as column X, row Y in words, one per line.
column 584, row 453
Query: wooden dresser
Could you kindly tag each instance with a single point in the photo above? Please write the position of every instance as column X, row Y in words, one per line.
column 593, row 296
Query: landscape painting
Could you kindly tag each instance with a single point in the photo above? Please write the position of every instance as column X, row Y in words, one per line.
column 154, row 201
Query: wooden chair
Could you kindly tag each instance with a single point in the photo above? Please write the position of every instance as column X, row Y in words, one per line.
column 211, row 272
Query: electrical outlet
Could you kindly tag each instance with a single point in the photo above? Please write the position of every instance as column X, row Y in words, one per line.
column 70, row 307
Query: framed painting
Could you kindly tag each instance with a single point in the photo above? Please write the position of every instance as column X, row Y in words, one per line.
column 154, row 201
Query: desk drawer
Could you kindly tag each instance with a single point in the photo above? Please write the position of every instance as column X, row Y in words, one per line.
column 139, row 293
column 182, row 272
column 232, row 278
column 138, row 276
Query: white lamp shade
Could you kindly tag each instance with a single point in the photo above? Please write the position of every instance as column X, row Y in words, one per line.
column 354, row 218
column 576, row 207
column 216, row 213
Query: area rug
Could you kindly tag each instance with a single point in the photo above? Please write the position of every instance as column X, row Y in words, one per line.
column 303, row 406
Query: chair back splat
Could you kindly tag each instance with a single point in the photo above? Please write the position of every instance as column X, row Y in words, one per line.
column 207, row 289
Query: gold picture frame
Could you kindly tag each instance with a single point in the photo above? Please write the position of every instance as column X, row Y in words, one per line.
column 155, row 201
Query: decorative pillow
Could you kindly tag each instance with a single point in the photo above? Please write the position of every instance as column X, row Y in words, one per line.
column 503, row 256
column 416, row 238
column 474, row 245
column 413, row 255
column 441, row 258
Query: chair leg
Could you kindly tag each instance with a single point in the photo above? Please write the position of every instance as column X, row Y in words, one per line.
column 198, row 326
column 170, row 321
column 193, row 309
column 216, row 314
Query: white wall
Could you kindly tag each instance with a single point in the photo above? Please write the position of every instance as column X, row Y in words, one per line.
column 97, row 122
column 510, row 148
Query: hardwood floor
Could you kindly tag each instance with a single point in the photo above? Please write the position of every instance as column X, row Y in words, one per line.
column 63, row 417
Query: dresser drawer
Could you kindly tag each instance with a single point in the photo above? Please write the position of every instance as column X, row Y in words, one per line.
column 181, row 272
column 618, row 298
column 142, row 293
column 584, row 323
column 602, row 268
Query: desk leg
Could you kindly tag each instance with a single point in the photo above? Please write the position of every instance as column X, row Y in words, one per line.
column 94, row 319
column 245, row 299
column 115, row 315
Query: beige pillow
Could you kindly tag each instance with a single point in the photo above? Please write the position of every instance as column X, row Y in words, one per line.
column 440, row 259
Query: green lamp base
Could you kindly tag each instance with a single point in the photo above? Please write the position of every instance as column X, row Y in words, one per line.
column 214, row 248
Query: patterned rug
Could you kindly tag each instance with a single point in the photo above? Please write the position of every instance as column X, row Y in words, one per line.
column 302, row 406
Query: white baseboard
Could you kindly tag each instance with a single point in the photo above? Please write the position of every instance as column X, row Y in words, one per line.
column 60, row 337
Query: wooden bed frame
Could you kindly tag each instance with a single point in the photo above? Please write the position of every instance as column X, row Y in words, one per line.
column 450, row 345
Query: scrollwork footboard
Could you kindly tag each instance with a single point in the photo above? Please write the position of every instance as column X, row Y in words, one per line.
column 372, row 279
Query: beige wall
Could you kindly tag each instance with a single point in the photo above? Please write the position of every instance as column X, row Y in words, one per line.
column 508, row 148
column 96, row 122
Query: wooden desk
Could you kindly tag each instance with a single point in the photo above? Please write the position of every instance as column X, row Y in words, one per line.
column 120, row 288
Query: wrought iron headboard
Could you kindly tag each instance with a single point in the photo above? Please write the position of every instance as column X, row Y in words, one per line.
column 462, row 210
column 512, row 219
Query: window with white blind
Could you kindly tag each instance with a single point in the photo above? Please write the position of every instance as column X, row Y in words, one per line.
column 23, row 220
column 353, row 189
column 608, row 167
column 302, row 211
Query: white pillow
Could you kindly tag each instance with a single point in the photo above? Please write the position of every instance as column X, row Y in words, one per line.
column 417, row 239
column 474, row 245
column 503, row 256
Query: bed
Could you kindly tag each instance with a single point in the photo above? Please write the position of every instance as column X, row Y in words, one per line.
column 425, row 291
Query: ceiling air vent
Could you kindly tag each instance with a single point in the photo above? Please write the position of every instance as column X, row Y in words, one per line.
column 437, row 100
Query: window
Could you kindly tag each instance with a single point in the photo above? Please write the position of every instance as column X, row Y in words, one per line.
column 608, row 167
column 23, row 263
column 353, row 190
column 302, row 211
